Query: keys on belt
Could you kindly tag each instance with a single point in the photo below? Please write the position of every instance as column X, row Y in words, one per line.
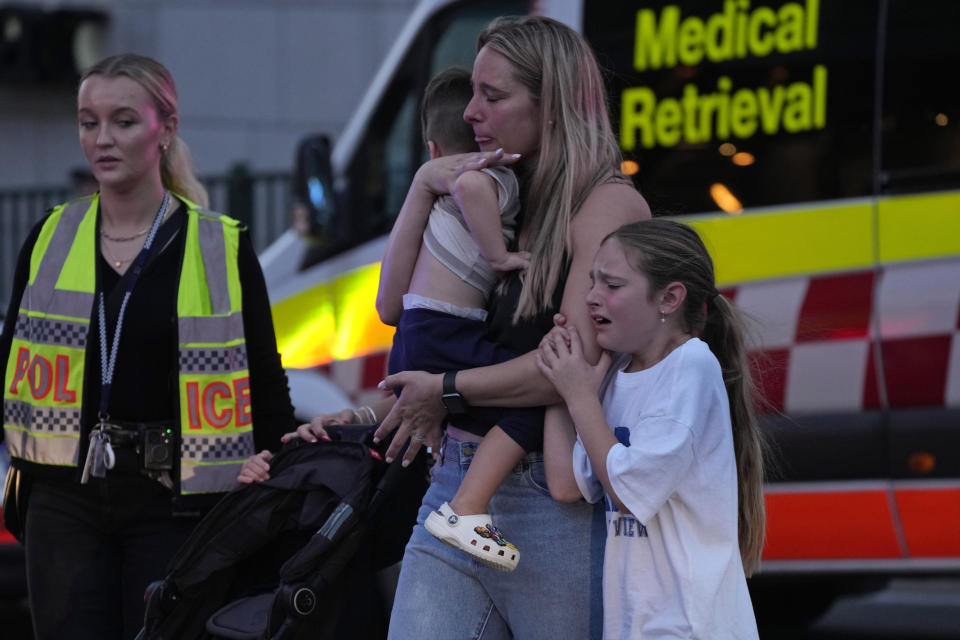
column 100, row 455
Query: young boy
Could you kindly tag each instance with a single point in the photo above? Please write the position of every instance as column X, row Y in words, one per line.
column 442, row 326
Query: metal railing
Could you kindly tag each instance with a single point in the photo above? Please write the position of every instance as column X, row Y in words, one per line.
column 259, row 200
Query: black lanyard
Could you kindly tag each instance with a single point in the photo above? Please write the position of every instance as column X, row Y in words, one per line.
column 107, row 361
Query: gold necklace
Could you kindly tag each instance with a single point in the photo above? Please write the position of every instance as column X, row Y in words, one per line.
column 161, row 215
column 124, row 238
column 113, row 259
column 163, row 209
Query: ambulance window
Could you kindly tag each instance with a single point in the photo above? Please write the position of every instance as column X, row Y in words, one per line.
column 457, row 45
column 921, row 98
column 398, row 163
column 391, row 150
column 769, row 102
column 380, row 172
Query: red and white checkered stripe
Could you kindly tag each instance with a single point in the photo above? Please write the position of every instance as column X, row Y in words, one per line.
column 817, row 339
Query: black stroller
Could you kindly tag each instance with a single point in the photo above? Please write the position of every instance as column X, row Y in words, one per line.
column 295, row 556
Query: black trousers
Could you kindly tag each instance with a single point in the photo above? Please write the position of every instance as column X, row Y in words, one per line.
column 93, row 549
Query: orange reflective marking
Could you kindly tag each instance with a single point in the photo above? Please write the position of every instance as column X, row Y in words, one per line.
column 830, row 526
column 193, row 404
column 42, row 376
column 60, row 392
column 931, row 521
column 241, row 393
column 216, row 418
column 20, row 370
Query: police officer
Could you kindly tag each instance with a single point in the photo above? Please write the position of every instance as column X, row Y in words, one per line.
column 141, row 367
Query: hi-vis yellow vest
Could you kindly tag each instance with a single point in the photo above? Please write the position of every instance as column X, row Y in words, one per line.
column 43, row 389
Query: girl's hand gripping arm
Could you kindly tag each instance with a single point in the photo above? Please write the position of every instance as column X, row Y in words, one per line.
column 561, row 360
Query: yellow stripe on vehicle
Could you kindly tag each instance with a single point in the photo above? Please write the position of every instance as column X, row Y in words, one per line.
column 760, row 246
column 337, row 319
column 334, row 320
column 919, row 226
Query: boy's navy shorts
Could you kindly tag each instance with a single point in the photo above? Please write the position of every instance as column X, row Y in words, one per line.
column 436, row 342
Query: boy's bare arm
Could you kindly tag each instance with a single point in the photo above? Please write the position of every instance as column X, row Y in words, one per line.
column 400, row 255
column 476, row 196
column 559, row 437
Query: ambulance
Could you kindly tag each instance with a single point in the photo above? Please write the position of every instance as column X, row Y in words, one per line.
column 815, row 144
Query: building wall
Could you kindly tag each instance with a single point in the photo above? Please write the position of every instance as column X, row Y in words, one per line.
column 252, row 76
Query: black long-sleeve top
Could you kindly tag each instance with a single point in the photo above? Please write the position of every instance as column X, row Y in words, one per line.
column 522, row 337
column 144, row 385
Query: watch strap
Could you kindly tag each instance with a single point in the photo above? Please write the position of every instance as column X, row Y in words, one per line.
column 452, row 400
column 449, row 382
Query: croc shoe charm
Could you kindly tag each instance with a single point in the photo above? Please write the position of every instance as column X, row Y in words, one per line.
column 475, row 535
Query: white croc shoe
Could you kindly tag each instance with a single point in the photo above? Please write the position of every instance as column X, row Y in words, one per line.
column 475, row 535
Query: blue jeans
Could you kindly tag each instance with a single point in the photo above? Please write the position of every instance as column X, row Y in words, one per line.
column 93, row 549
column 555, row 592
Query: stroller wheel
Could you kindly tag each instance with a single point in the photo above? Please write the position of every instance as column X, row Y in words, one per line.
column 304, row 601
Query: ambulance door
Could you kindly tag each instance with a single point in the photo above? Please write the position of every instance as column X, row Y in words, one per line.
column 918, row 294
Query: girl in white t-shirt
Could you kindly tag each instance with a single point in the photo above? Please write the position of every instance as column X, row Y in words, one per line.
column 674, row 445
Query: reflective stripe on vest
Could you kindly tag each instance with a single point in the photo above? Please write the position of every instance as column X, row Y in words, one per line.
column 43, row 388
column 215, row 411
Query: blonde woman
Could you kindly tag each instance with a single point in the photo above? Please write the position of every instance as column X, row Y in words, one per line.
column 140, row 362
column 539, row 105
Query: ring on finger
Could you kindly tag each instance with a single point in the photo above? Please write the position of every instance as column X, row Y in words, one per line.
column 416, row 436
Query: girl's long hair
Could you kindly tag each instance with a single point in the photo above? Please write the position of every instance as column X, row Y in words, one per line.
column 176, row 165
column 577, row 152
column 666, row 251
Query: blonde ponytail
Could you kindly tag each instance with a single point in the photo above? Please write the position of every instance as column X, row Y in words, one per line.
column 177, row 173
column 723, row 333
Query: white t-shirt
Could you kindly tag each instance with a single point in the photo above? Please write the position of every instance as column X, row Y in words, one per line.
column 672, row 569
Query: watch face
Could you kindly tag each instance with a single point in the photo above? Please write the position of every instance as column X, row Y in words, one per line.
column 454, row 403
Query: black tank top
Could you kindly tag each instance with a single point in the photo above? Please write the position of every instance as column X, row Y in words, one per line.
column 526, row 334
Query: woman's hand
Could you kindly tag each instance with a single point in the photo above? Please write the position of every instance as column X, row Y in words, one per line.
column 439, row 175
column 561, row 360
column 511, row 261
column 418, row 414
column 256, row 468
column 315, row 428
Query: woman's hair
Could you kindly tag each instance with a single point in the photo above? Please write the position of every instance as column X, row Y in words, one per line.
column 176, row 165
column 666, row 251
column 578, row 150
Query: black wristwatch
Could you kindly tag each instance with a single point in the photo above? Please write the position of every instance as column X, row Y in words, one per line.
column 452, row 399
